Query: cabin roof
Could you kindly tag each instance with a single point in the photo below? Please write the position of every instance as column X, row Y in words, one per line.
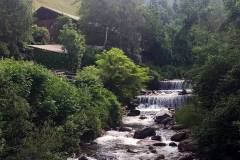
column 56, row 12
column 57, row 48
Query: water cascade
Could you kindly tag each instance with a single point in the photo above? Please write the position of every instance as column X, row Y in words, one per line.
column 172, row 94
column 120, row 145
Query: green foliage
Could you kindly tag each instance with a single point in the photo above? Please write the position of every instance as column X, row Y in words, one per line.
column 4, row 51
column 219, row 133
column 120, row 75
column 59, row 24
column 104, row 102
column 89, row 57
column 42, row 115
column 52, row 60
column 75, row 45
column 209, row 79
column 190, row 115
column 40, row 35
column 113, row 24
column 88, row 76
column 15, row 26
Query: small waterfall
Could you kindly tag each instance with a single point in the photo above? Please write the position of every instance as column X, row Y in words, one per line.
column 169, row 96
column 174, row 84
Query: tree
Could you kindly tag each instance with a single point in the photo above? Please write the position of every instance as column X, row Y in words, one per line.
column 74, row 43
column 15, row 26
column 59, row 24
column 115, row 23
column 159, row 32
column 120, row 75
column 40, row 35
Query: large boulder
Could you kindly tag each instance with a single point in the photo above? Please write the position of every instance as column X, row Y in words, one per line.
column 178, row 127
column 133, row 113
column 161, row 156
column 133, row 105
column 179, row 136
column 188, row 145
column 168, row 121
column 147, row 132
column 173, row 144
column 159, row 119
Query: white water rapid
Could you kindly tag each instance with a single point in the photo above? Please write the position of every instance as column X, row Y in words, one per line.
column 116, row 145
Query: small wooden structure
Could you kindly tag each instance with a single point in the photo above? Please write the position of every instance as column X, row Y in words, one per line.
column 46, row 17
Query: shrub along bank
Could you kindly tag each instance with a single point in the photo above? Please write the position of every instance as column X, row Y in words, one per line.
column 42, row 115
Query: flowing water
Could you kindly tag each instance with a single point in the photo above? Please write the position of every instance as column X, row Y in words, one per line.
column 116, row 145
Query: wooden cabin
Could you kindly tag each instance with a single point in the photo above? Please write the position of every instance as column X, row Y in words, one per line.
column 46, row 17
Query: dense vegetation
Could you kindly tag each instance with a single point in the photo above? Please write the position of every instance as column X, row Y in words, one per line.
column 36, row 102
column 194, row 39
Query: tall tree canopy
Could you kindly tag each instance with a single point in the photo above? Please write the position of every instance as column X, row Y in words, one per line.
column 15, row 24
column 115, row 23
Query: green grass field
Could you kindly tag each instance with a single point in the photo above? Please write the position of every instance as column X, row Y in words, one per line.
column 67, row 6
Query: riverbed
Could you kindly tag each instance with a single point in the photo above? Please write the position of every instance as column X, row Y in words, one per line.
column 120, row 145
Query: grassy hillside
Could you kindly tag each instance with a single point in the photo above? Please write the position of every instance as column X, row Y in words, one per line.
column 67, row 6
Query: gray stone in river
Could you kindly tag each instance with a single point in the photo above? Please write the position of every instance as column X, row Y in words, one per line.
column 161, row 156
column 173, row 144
column 156, row 138
column 159, row 144
column 144, row 133
column 125, row 129
column 133, row 113
column 179, row 136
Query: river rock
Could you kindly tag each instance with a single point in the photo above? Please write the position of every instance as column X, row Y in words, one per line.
column 179, row 136
column 168, row 121
column 188, row 145
column 132, row 105
column 88, row 136
column 183, row 92
column 131, row 151
column 83, row 158
column 161, row 156
column 147, row 132
column 154, row 151
column 178, row 127
column 125, row 129
column 133, row 113
column 159, row 144
column 142, row 117
column 156, row 138
column 173, row 144
column 189, row 156
column 159, row 119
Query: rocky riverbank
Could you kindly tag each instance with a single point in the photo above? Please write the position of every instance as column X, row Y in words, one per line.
column 148, row 130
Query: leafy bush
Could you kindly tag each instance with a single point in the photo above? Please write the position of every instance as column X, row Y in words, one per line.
column 52, row 60
column 104, row 102
column 209, row 78
column 74, row 43
column 120, row 75
column 40, row 35
column 219, row 91
column 219, row 134
column 4, row 51
column 89, row 57
column 190, row 115
column 59, row 25
column 39, row 107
